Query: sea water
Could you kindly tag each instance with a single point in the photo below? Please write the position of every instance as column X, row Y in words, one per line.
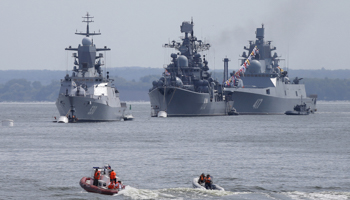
column 250, row 156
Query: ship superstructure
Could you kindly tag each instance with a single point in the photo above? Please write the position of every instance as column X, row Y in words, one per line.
column 186, row 87
column 88, row 95
column 261, row 86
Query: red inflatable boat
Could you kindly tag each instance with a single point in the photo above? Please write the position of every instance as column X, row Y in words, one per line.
column 87, row 184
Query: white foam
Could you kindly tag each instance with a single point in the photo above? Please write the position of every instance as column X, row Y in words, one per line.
column 319, row 195
column 173, row 193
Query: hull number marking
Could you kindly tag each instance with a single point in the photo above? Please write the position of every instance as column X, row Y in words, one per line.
column 257, row 103
column 92, row 110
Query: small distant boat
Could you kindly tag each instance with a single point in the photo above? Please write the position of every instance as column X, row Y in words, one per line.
column 162, row 114
column 195, row 184
column 128, row 115
column 299, row 109
column 65, row 119
column 233, row 111
column 7, row 122
column 62, row 119
column 102, row 188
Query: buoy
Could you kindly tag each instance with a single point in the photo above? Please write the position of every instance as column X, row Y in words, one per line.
column 62, row 119
column 162, row 114
column 7, row 122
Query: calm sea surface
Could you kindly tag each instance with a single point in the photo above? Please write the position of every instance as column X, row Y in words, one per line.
column 252, row 157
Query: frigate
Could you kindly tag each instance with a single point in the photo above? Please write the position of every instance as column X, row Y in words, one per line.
column 88, row 95
column 186, row 88
column 264, row 87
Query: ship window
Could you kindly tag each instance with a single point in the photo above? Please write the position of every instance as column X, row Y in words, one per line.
column 268, row 91
column 96, row 80
column 296, row 93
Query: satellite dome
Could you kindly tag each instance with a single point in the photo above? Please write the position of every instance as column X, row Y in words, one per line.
column 86, row 41
column 182, row 61
column 254, row 67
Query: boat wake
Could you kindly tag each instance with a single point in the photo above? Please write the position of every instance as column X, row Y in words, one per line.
column 172, row 193
column 191, row 193
column 319, row 195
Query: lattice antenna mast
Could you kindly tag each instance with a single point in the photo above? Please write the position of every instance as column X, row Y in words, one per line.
column 88, row 19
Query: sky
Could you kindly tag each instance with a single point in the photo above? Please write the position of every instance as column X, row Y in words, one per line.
column 311, row 34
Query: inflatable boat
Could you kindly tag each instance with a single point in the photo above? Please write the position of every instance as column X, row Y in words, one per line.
column 102, row 187
column 195, row 184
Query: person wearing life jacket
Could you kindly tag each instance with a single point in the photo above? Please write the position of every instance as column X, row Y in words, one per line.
column 111, row 186
column 201, row 179
column 96, row 177
column 113, row 176
column 208, row 182
column 119, row 185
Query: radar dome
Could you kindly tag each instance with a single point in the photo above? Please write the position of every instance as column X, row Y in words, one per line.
column 254, row 67
column 182, row 61
column 86, row 41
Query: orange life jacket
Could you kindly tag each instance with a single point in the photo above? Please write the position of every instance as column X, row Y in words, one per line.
column 117, row 185
column 97, row 175
column 208, row 180
column 113, row 175
column 201, row 178
column 111, row 186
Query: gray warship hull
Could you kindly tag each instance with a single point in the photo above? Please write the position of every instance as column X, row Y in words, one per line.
column 261, row 86
column 179, row 102
column 254, row 102
column 186, row 88
column 87, row 95
column 88, row 109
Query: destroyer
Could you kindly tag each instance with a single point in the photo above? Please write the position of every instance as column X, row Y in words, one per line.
column 87, row 95
column 186, row 88
column 261, row 86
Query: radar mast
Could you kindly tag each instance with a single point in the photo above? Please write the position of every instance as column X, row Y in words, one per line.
column 88, row 19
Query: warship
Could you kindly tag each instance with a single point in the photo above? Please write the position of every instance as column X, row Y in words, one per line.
column 87, row 95
column 261, row 86
column 186, row 87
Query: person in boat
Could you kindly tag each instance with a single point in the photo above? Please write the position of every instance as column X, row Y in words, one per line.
column 111, row 186
column 201, row 179
column 113, row 176
column 118, row 185
column 208, row 182
column 96, row 177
